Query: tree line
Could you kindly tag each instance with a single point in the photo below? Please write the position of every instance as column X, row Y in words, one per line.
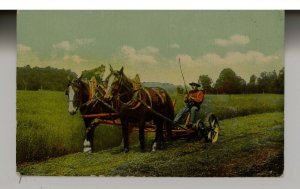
column 229, row 82
column 42, row 78
column 49, row 78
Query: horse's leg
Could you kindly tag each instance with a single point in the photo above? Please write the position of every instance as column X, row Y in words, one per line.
column 161, row 133
column 154, row 145
column 87, row 144
column 125, row 135
column 158, row 135
column 142, row 135
column 169, row 130
column 169, row 113
column 92, row 137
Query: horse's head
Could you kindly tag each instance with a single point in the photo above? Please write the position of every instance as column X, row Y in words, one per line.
column 113, row 83
column 74, row 92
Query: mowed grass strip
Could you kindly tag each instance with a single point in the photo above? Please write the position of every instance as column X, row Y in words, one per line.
column 248, row 146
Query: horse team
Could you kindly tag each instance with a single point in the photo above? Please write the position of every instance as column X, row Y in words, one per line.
column 134, row 105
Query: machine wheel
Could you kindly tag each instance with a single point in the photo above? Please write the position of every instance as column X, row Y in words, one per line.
column 199, row 129
column 213, row 128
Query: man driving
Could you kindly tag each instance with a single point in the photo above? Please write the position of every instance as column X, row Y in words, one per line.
column 193, row 99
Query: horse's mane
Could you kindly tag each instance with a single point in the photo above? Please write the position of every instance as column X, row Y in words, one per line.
column 126, row 80
column 84, row 83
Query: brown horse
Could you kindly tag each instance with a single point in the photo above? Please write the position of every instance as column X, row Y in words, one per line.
column 79, row 97
column 139, row 106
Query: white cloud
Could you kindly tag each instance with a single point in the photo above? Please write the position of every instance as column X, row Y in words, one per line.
column 149, row 50
column 23, row 48
column 175, row 46
column 236, row 39
column 153, row 67
column 84, row 41
column 64, row 45
column 229, row 58
column 26, row 56
column 145, row 55
column 73, row 58
column 212, row 58
column 185, row 59
column 71, row 46
column 244, row 64
column 250, row 56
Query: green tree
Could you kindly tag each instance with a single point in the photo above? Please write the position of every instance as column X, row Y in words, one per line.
column 263, row 82
column 242, row 85
column 281, row 81
column 180, row 90
column 206, row 83
column 229, row 83
column 42, row 78
column 268, row 82
column 96, row 72
column 252, row 85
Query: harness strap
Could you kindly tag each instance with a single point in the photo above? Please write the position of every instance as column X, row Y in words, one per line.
column 157, row 91
column 92, row 87
column 138, row 104
column 107, row 105
column 149, row 95
column 134, row 103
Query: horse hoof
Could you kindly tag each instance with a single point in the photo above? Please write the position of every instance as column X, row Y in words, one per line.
column 86, row 143
column 154, row 147
column 87, row 150
column 161, row 146
column 142, row 150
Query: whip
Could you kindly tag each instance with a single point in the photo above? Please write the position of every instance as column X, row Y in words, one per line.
column 182, row 75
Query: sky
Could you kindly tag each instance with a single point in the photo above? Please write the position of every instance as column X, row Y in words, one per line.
column 150, row 42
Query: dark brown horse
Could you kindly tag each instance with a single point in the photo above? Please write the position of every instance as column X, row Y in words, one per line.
column 139, row 106
column 79, row 97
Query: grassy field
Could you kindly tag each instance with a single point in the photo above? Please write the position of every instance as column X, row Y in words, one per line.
column 248, row 146
column 229, row 106
column 45, row 129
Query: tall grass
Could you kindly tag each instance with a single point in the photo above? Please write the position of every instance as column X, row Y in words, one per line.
column 46, row 129
column 229, row 106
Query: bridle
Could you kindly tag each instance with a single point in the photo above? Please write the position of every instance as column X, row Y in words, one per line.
column 120, row 78
column 78, row 93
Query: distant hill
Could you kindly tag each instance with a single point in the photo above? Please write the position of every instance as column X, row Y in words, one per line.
column 167, row 86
